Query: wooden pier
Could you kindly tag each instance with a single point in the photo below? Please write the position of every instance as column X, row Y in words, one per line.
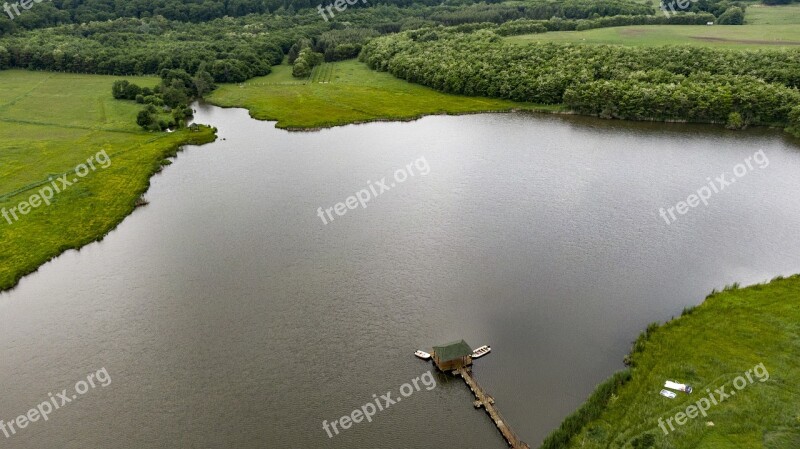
column 482, row 399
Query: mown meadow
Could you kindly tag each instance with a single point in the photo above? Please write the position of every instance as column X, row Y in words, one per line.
column 765, row 27
column 746, row 36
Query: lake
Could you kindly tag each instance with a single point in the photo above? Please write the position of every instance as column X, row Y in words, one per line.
column 242, row 307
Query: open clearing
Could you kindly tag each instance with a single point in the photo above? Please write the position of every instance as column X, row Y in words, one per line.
column 744, row 36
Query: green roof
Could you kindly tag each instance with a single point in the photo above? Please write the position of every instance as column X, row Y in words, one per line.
column 452, row 351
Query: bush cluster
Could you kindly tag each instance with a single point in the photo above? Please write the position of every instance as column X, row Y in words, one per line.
column 306, row 60
column 176, row 90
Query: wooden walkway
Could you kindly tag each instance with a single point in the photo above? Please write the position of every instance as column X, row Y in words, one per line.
column 482, row 399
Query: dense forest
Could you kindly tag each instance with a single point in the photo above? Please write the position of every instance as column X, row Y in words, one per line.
column 697, row 84
column 236, row 49
column 423, row 12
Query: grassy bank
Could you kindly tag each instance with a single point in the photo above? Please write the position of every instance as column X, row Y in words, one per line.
column 708, row 347
column 347, row 92
column 50, row 123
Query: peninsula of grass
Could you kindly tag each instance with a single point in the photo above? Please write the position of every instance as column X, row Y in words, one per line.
column 708, row 347
column 346, row 92
column 50, row 123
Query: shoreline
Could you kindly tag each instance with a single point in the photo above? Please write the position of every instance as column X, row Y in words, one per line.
column 559, row 109
column 656, row 355
column 206, row 135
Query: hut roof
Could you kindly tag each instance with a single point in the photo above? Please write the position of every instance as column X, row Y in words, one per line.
column 452, row 351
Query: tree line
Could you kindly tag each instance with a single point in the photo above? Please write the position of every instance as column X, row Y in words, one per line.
column 234, row 49
column 698, row 84
column 64, row 12
column 228, row 51
column 423, row 12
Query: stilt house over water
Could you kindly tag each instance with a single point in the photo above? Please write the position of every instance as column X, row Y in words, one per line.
column 452, row 356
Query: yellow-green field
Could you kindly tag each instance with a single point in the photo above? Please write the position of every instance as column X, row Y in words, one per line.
column 50, row 123
column 767, row 27
column 346, row 92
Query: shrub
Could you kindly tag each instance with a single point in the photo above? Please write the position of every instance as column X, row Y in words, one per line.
column 735, row 121
column 645, row 441
column 732, row 16
column 145, row 119
column 794, row 121
column 306, row 61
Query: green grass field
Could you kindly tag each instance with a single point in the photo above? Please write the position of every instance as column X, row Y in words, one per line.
column 723, row 338
column 767, row 27
column 758, row 14
column 50, row 123
column 346, row 92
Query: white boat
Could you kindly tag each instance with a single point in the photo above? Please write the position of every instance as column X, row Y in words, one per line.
column 668, row 394
column 482, row 351
column 676, row 386
column 422, row 354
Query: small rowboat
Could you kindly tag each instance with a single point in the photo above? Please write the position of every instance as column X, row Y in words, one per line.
column 482, row 351
column 676, row 386
column 422, row 354
column 668, row 394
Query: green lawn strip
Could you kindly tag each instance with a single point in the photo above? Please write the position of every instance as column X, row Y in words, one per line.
column 765, row 27
column 349, row 93
column 45, row 137
column 744, row 37
column 730, row 333
column 67, row 99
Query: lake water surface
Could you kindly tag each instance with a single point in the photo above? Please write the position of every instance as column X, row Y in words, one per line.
column 229, row 316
